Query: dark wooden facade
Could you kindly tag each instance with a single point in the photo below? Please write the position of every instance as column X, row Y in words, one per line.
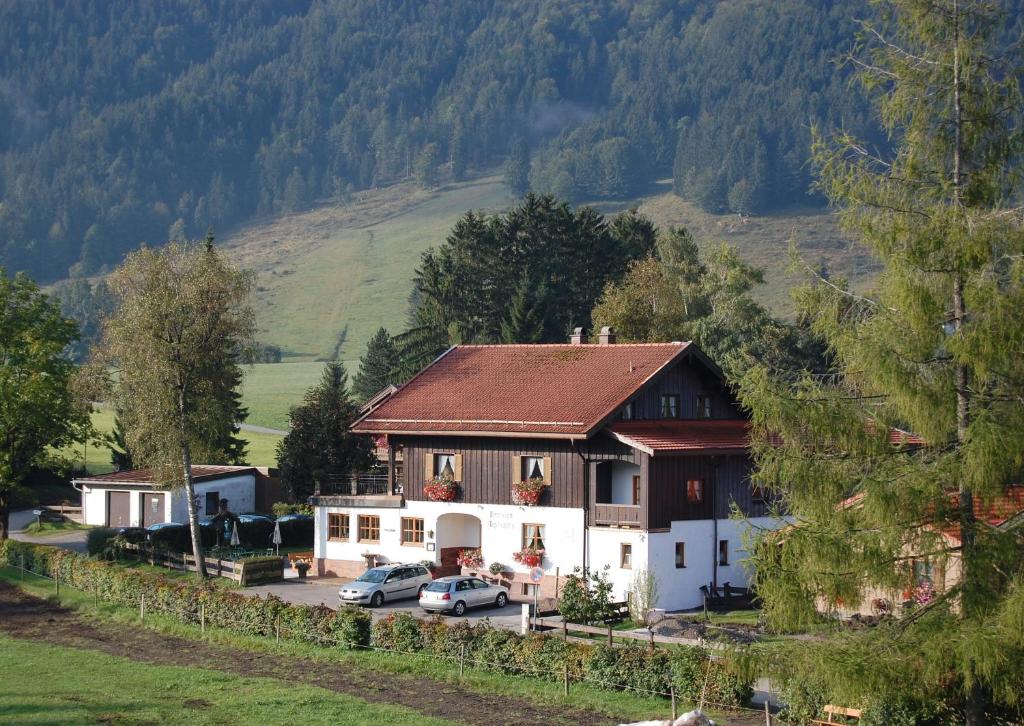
column 580, row 471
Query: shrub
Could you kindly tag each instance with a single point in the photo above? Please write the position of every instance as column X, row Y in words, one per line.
column 643, row 594
column 282, row 508
column 346, row 628
column 399, row 632
column 586, row 597
column 98, row 541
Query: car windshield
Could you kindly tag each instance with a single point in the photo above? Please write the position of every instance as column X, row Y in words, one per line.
column 436, row 586
column 372, row 576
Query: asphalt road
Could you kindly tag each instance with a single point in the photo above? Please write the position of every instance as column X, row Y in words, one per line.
column 74, row 540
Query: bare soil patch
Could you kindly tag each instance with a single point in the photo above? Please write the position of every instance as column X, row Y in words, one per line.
column 25, row 617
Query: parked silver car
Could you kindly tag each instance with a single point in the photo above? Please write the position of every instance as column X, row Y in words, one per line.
column 457, row 593
column 387, row 582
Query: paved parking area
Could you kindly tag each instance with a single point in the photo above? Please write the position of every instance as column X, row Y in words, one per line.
column 324, row 591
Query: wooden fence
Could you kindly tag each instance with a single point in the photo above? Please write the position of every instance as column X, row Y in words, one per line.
column 649, row 637
column 246, row 572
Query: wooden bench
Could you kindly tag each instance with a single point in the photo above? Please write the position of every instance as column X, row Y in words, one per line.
column 831, row 711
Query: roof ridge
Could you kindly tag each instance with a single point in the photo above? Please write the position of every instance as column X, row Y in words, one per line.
column 610, row 346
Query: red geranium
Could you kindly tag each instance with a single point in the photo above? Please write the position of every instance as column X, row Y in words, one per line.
column 529, row 557
column 528, row 491
column 441, row 489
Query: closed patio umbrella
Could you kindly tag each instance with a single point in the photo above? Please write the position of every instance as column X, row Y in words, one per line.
column 234, row 535
column 276, row 539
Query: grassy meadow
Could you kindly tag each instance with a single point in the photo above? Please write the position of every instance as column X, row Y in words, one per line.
column 46, row 684
column 95, row 455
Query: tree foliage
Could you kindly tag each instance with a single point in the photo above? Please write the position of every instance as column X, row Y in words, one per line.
column 106, row 108
column 935, row 349
column 376, row 367
column 38, row 404
column 182, row 317
column 319, row 450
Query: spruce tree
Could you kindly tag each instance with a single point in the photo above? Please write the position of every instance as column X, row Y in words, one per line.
column 517, row 167
column 376, row 367
column 526, row 322
column 935, row 349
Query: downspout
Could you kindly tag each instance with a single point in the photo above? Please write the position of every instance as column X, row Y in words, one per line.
column 586, row 502
column 714, row 519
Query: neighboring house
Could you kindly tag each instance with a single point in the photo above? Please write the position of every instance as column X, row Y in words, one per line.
column 131, row 499
column 642, row 449
column 929, row 575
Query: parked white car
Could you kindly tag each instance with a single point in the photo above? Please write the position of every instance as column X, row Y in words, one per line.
column 385, row 583
column 458, row 593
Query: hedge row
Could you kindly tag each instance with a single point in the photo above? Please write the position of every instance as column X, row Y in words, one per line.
column 686, row 668
column 345, row 628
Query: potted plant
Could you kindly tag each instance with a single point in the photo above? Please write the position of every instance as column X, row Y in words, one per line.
column 528, row 491
column 529, row 557
column 440, row 489
column 302, row 567
column 472, row 559
column 497, row 570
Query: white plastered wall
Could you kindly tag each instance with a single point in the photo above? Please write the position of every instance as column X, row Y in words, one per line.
column 622, row 482
column 240, row 491
column 501, row 533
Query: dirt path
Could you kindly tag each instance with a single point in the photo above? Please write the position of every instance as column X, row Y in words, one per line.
column 25, row 617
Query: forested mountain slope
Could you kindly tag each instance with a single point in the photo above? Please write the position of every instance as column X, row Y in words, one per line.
column 124, row 122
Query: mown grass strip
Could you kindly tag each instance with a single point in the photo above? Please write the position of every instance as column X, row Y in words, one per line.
column 622, row 705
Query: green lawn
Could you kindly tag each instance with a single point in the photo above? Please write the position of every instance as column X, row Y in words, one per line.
column 95, row 457
column 45, row 684
column 44, row 529
column 271, row 389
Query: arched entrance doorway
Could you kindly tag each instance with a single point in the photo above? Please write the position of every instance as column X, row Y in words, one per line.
column 456, row 532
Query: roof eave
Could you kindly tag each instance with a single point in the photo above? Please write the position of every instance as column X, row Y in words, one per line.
column 490, row 434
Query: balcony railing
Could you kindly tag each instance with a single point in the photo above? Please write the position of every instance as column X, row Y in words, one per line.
column 619, row 514
column 365, row 484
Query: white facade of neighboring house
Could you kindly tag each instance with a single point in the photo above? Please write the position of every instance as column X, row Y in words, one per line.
column 130, row 499
column 643, row 451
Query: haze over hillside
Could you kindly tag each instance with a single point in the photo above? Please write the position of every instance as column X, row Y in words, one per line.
column 123, row 122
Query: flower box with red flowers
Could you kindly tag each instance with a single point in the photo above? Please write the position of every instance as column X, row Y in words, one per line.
column 529, row 557
column 472, row 559
column 441, row 489
column 528, row 491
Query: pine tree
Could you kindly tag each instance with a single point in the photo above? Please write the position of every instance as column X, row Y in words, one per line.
column 376, row 367
column 319, row 449
column 120, row 456
column 526, row 322
column 936, row 349
column 426, row 166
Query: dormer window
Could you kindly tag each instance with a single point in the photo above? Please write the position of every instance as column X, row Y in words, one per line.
column 669, row 405
column 627, row 412
column 703, row 406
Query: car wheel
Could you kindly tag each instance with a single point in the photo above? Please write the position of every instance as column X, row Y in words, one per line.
column 377, row 600
column 502, row 600
column 460, row 609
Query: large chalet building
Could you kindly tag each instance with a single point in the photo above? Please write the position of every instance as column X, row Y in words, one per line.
column 642, row 450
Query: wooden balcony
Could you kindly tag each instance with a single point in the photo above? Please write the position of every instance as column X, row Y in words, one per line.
column 368, row 489
column 622, row 515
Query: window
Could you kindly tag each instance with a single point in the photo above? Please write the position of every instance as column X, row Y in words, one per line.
column 412, row 531
column 636, row 490
column 444, row 465
column 627, row 412
column 680, row 555
column 369, row 528
column 669, row 405
column 533, row 467
column 626, row 556
column 695, row 491
column 479, row 584
column 212, row 500
column 723, row 552
column 337, row 527
column 703, row 406
column 923, row 572
column 533, row 536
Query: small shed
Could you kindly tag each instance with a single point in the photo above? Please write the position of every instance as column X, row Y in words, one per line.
column 132, row 499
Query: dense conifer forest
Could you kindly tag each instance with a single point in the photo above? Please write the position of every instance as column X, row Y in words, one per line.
column 126, row 122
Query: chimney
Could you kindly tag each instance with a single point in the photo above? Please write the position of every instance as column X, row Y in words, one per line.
column 578, row 337
column 607, row 336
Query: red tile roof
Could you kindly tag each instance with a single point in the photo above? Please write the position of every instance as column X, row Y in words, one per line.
column 993, row 512
column 559, row 391
column 200, row 472
column 656, row 437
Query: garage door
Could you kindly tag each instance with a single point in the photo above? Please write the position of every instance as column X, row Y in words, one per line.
column 152, row 509
column 119, row 509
